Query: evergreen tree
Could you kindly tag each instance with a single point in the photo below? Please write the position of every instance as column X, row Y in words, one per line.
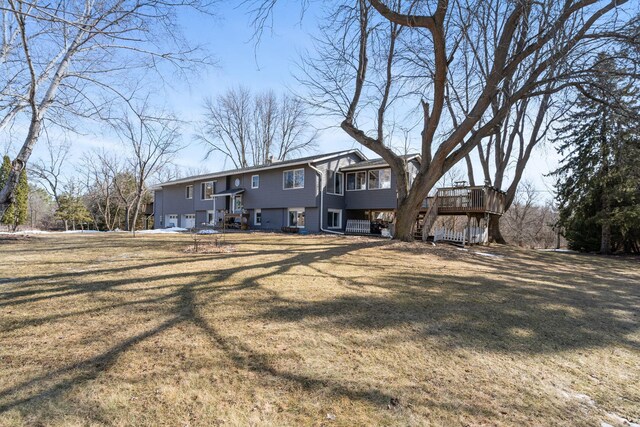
column 597, row 182
column 72, row 209
column 4, row 176
column 21, row 202
column 4, row 170
column 17, row 212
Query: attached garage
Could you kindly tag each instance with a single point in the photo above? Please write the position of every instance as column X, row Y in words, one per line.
column 172, row 221
column 189, row 221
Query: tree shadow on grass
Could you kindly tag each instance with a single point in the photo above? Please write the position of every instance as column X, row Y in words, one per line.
column 520, row 310
column 54, row 384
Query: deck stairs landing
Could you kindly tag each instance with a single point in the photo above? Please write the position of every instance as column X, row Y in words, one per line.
column 426, row 220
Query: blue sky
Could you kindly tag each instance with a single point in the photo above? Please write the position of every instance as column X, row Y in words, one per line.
column 270, row 65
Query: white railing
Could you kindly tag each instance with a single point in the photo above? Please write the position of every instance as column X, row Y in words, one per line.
column 358, row 226
column 477, row 235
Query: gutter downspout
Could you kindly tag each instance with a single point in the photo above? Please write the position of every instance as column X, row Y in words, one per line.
column 321, row 175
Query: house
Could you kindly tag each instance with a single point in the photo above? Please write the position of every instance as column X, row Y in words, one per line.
column 316, row 193
column 330, row 192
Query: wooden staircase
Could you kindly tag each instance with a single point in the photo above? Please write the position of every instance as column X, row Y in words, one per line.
column 425, row 220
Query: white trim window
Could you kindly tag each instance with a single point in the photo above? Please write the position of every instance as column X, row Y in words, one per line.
column 188, row 192
column 293, row 179
column 257, row 217
column 334, row 218
column 380, row 179
column 255, row 181
column 207, row 189
column 335, row 183
column 356, row 181
column 295, row 217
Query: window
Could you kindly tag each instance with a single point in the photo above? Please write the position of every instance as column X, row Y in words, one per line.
column 293, row 179
column 257, row 217
column 356, row 181
column 296, row 217
column 207, row 189
column 335, row 218
column 379, row 179
column 255, row 181
column 189, row 191
column 335, row 183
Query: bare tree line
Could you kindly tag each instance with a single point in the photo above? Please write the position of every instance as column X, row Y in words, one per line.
column 251, row 129
column 114, row 186
column 66, row 60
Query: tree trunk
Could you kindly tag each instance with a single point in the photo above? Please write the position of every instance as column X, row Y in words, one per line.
column 495, row 236
column 127, row 223
column 135, row 216
column 405, row 218
column 605, row 239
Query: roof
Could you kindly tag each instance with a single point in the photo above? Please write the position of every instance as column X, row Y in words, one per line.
column 376, row 163
column 274, row 165
column 230, row 192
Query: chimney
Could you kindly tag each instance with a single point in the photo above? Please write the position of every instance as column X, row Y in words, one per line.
column 270, row 159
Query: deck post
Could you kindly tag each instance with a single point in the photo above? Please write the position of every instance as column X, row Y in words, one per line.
column 467, row 233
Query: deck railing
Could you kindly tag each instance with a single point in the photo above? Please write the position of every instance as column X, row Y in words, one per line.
column 478, row 199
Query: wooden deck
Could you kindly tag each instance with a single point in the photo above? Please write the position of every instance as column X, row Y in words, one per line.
column 468, row 200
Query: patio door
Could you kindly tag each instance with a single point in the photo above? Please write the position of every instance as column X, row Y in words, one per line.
column 296, row 217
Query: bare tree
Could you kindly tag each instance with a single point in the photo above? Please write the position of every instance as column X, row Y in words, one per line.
column 41, row 208
column 49, row 171
column 377, row 59
column 68, row 57
column 152, row 140
column 249, row 130
column 530, row 223
column 227, row 126
column 100, row 169
column 504, row 155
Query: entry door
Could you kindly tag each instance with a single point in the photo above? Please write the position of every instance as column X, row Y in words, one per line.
column 237, row 203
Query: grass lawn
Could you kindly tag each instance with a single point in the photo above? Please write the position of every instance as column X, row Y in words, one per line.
column 302, row 330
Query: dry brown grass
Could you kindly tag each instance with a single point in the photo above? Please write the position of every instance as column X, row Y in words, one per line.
column 294, row 330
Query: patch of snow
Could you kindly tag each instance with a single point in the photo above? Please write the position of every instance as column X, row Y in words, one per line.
column 488, row 254
column 208, row 232
column 621, row 420
column 162, row 230
column 588, row 400
column 463, row 249
column 34, row 232
column 81, row 231
column 559, row 250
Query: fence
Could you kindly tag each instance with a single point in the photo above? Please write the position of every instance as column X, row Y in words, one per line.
column 358, row 226
column 477, row 235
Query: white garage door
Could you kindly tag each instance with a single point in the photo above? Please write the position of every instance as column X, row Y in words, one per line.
column 188, row 221
column 172, row 221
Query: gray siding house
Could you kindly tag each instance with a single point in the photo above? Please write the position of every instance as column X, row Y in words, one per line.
column 315, row 193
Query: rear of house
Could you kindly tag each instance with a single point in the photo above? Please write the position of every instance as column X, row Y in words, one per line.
column 306, row 193
column 342, row 191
